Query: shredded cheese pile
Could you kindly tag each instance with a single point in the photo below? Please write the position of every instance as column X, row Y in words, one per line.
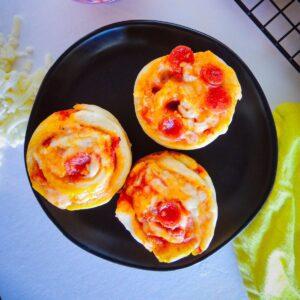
column 18, row 87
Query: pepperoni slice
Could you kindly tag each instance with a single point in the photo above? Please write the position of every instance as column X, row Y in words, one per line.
column 77, row 164
column 178, row 55
column 171, row 126
column 181, row 54
column 217, row 99
column 169, row 214
column 211, row 74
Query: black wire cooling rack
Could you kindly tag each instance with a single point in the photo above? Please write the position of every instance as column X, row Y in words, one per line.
column 279, row 20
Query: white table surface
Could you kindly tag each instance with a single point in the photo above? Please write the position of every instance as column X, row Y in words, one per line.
column 36, row 260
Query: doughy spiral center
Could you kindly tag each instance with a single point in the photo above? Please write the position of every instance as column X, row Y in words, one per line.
column 77, row 156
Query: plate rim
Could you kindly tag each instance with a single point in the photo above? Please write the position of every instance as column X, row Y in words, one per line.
column 266, row 107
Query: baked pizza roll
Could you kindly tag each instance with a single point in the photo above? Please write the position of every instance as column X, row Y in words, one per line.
column 168, row 204
column 185, row 100
column 78, row 158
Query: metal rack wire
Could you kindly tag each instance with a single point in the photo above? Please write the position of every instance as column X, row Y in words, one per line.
column 287, row 42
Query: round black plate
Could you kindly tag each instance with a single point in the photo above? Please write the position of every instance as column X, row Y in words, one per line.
column 101, row 69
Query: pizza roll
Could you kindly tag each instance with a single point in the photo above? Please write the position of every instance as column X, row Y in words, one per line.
column 78, row 158
column 185, row 100
column 168, row 204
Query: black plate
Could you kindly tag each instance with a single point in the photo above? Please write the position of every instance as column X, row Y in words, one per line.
column 101, row 69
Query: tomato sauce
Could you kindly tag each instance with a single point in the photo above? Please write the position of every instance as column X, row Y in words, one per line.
column 77, row 164
column 211, row 75
column 169, row 214
column 64, row 114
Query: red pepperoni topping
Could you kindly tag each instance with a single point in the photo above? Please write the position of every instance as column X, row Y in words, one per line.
column 169, row 214
column 181, row 54
column 211, row 74
column 217, row 99
column 178, row 55
column 171, row 126
column 77, row 164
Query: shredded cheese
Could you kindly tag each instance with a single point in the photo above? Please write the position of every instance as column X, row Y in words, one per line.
column 18, row 87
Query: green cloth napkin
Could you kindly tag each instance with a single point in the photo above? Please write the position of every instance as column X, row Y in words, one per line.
column 268, row 250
